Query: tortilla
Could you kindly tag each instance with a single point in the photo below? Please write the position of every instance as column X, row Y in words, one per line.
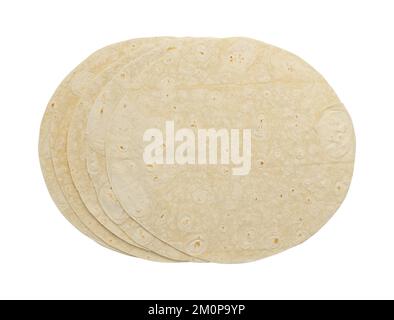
column 83, row 80
column 302, row 149
column 114, row 218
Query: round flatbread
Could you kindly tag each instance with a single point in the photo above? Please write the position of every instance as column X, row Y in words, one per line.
column 229, row 150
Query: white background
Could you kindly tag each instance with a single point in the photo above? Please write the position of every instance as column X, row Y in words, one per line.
column 350, row 42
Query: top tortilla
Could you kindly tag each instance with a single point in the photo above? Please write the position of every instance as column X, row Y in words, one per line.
column 302, row 157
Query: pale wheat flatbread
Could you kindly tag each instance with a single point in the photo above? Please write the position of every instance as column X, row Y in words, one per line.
column 302, row 156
